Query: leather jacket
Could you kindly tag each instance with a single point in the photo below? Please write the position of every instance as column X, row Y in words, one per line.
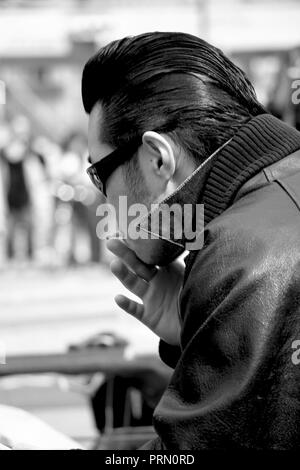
column 235, row 384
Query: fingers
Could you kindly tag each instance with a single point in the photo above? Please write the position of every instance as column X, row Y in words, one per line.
column 130, row 306
column 119, row 249
column 130, row 280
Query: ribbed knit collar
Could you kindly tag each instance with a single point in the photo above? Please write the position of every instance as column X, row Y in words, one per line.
column 262, row 141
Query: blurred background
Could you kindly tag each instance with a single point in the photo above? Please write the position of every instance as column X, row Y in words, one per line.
column 55, row 286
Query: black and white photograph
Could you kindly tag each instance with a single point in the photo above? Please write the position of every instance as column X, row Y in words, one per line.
column 149, row 228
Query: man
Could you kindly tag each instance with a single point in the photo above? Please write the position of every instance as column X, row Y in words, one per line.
column 185, row 127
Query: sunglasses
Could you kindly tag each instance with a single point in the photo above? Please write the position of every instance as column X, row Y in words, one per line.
column 100, row 172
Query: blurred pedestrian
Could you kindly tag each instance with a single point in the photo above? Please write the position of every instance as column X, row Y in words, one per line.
column 19, row 208
column 24, row 188
column 79, row 200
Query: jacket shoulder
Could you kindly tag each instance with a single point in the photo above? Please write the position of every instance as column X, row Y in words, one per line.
column 269, row 216
column 256, row 239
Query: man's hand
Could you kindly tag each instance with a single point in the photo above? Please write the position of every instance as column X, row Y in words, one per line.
column 158, row 288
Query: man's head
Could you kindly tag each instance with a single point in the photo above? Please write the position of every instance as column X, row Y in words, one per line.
column 176, row 95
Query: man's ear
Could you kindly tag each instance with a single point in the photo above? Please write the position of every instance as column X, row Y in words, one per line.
column 161, row 154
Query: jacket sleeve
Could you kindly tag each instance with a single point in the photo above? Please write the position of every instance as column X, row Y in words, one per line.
column 230, row 388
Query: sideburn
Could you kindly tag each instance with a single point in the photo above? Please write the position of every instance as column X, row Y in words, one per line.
column 135, row 181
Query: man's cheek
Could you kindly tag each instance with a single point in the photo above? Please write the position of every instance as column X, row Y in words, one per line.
column 115, row 187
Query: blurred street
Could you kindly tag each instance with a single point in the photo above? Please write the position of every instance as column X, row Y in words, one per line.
column 43, row 311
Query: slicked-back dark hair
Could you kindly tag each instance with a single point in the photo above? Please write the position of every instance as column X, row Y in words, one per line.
column 174, row 83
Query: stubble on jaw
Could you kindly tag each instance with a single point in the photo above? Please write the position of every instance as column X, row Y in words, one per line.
column 135, row 182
